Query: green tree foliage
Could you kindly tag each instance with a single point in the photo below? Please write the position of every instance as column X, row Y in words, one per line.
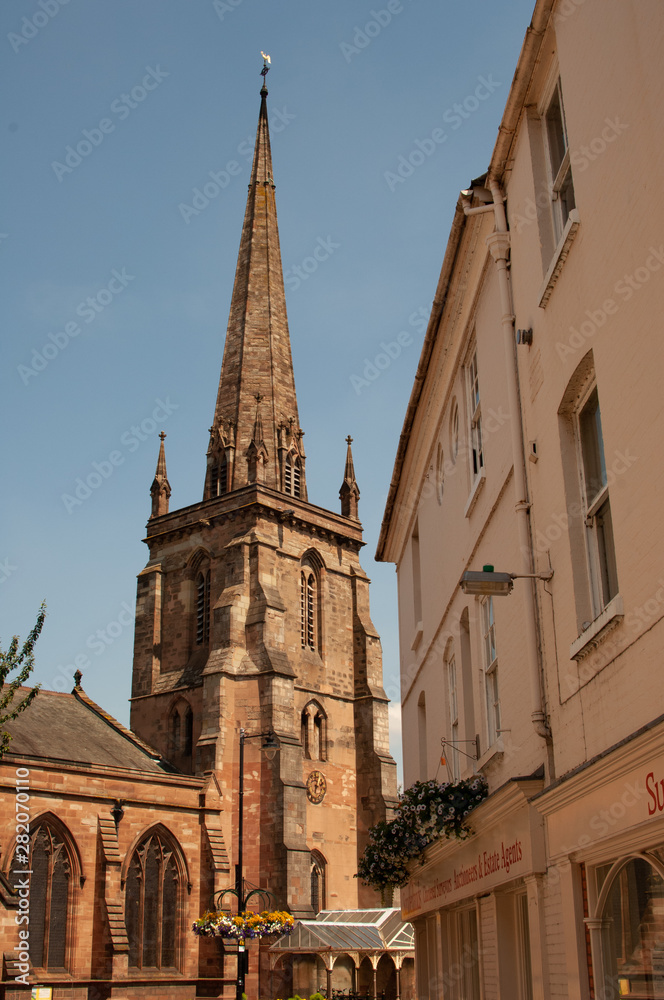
column 23, row 662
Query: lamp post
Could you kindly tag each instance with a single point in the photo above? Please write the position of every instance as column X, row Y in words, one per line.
column 489, row 583
column 269, row 746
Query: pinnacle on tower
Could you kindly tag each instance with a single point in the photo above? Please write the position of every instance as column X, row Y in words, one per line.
column 349, row 494
column 257, row 354
column 160, row 490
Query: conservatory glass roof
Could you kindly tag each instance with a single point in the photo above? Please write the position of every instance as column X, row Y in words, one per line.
column 349, row 930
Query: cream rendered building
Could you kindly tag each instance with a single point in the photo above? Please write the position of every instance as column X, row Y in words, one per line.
column 532, row 443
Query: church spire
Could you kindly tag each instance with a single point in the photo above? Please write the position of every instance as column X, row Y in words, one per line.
column 257, row 355
column 160, row 490
column 349, row 493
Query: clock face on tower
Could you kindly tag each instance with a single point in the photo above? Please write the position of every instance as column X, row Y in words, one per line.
column 316, row 787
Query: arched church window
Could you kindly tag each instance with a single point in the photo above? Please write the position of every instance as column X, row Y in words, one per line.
column 152, row 905
column 174, row 733
column 49, row 867
column 219, row 476
column 203, row 608
column 308, row 608
column 181, row 729
column 318, row 866
column 187, row 743
column 293, row 476
column 223, row 475
column 314, row 732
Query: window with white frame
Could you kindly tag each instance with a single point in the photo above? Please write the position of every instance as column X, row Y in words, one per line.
column 597, row 508
column 490, row 670
column 453, row 704
column 422, row 734
column 417, row 574
column 561, row 184
column 454, row 432
column 440, row 473
column 475, row 419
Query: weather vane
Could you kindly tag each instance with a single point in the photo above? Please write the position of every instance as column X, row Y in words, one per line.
column 266, row 65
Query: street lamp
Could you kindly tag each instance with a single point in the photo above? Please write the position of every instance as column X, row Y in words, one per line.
column 269, row 746
column 489, row 583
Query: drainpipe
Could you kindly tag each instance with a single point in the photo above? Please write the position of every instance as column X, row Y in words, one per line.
column 499, row 246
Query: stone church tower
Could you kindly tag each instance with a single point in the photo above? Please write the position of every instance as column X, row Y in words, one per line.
column 253, row 612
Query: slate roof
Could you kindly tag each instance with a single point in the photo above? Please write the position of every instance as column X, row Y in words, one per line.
column 71, row 728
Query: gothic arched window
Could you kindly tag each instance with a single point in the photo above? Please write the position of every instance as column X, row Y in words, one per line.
column 219, row 476
column 314, row 732
column 50, row 868
column 293, row 476
column 152, row 904
column 308, row 608
column 174, row 731
column 222, row 482
column 203, row 608
column 181, row 729
column 187, row 743
column 318, row 866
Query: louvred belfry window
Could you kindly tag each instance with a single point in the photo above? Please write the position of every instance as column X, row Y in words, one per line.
column 49, row 888
column 203, row 609
column 151, row 907
column 293, row 476
column 308, row 609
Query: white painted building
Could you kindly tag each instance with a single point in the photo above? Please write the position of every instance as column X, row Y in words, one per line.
column 532, row 443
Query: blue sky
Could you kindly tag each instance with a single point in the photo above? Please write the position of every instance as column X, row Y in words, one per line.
column 118, row 276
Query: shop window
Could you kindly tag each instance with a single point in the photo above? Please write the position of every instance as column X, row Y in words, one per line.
column 467, row 955
column 490, row 670
column 524, row 967
column 633, row 931
column 50, row 874
column 318, row 866
column 152, row 905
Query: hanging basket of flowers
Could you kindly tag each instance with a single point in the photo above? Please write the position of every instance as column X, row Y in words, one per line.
column 427, row 810
column 244, row 925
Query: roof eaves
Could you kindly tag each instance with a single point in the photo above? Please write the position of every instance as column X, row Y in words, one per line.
column 437, row 308
column 527, row 61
